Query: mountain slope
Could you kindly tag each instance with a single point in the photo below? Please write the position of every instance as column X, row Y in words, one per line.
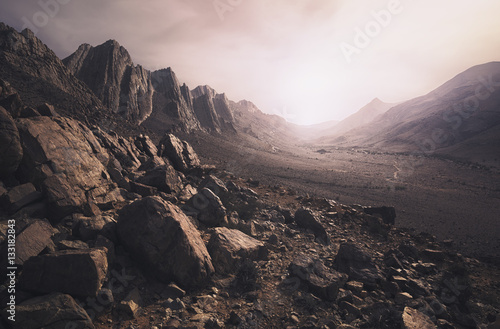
column 459, row 110
column 108, row 70
column 40, row 76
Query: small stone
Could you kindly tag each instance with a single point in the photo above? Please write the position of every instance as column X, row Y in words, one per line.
column 402, row 298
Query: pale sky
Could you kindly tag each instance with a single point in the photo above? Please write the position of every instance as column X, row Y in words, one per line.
column 285, row 56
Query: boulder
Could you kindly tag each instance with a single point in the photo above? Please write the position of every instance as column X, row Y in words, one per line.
column 123, row 150
column 413, row 319
column 10, row 144
column 160, row 237
column 321, row 281
column 229, row 248
column 210, row 210
column 54, row 311
column 64, row 157
column 181, row 154
column 165, row 179
column 215, row 185
column 75, row 272
column 32, row 240
column 357, row 263
column 307, row 219
column 145, row 145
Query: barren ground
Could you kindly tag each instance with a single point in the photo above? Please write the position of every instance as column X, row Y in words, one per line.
column 449, row 199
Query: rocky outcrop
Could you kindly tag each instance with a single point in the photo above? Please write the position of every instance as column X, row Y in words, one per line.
column 161, row 237
column 40, row 76
column 212, row 109
column 61, row 156
column 205, row 112
column 108, row 70
column 171, row 103
column 179, row 152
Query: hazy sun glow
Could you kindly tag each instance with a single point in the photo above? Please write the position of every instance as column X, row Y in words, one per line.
column 287, row 57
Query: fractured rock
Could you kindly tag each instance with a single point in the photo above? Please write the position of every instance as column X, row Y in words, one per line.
column 181, row 154
column 161, row 237
column 357, row 263
column 32, row 240
column 209, row 208
column 307, row 219
column 229, row 248
column 54, row 311
column 323, row 282
column 75, row 272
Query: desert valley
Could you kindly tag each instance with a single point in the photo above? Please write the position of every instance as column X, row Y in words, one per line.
column 132, row 200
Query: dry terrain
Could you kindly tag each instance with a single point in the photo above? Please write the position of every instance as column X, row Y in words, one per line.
column 453, row 200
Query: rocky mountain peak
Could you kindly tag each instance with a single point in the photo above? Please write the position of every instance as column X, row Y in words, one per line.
column 109, row 71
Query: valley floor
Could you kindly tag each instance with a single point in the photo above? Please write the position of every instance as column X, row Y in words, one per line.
column 451, row 200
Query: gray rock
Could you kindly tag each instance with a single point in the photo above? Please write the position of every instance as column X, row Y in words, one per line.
column 159, row 236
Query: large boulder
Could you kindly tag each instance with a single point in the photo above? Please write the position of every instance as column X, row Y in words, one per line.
column 122, row 149
column 64, row 156
column 357, row 263
column 54, row 311
column 323, row 282
column 160, row 237
column 229, row 248
column 181, row 154
column 307, row 219
column 10, row 144
column 75, row 272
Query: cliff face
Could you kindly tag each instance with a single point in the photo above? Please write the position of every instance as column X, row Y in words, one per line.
column 40, row 76
column 170, row 104
column 212, row 109
column 109, row 71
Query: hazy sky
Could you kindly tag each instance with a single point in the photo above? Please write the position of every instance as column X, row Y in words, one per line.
column 307, row 60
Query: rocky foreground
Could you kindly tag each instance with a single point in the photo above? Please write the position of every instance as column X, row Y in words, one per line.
column 114, row 232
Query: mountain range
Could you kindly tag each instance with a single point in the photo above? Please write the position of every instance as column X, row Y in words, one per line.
column 101, row 84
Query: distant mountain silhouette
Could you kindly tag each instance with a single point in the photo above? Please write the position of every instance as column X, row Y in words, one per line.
column 463, row 113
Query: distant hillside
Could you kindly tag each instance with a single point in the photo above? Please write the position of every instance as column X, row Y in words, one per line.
column 463, row 113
